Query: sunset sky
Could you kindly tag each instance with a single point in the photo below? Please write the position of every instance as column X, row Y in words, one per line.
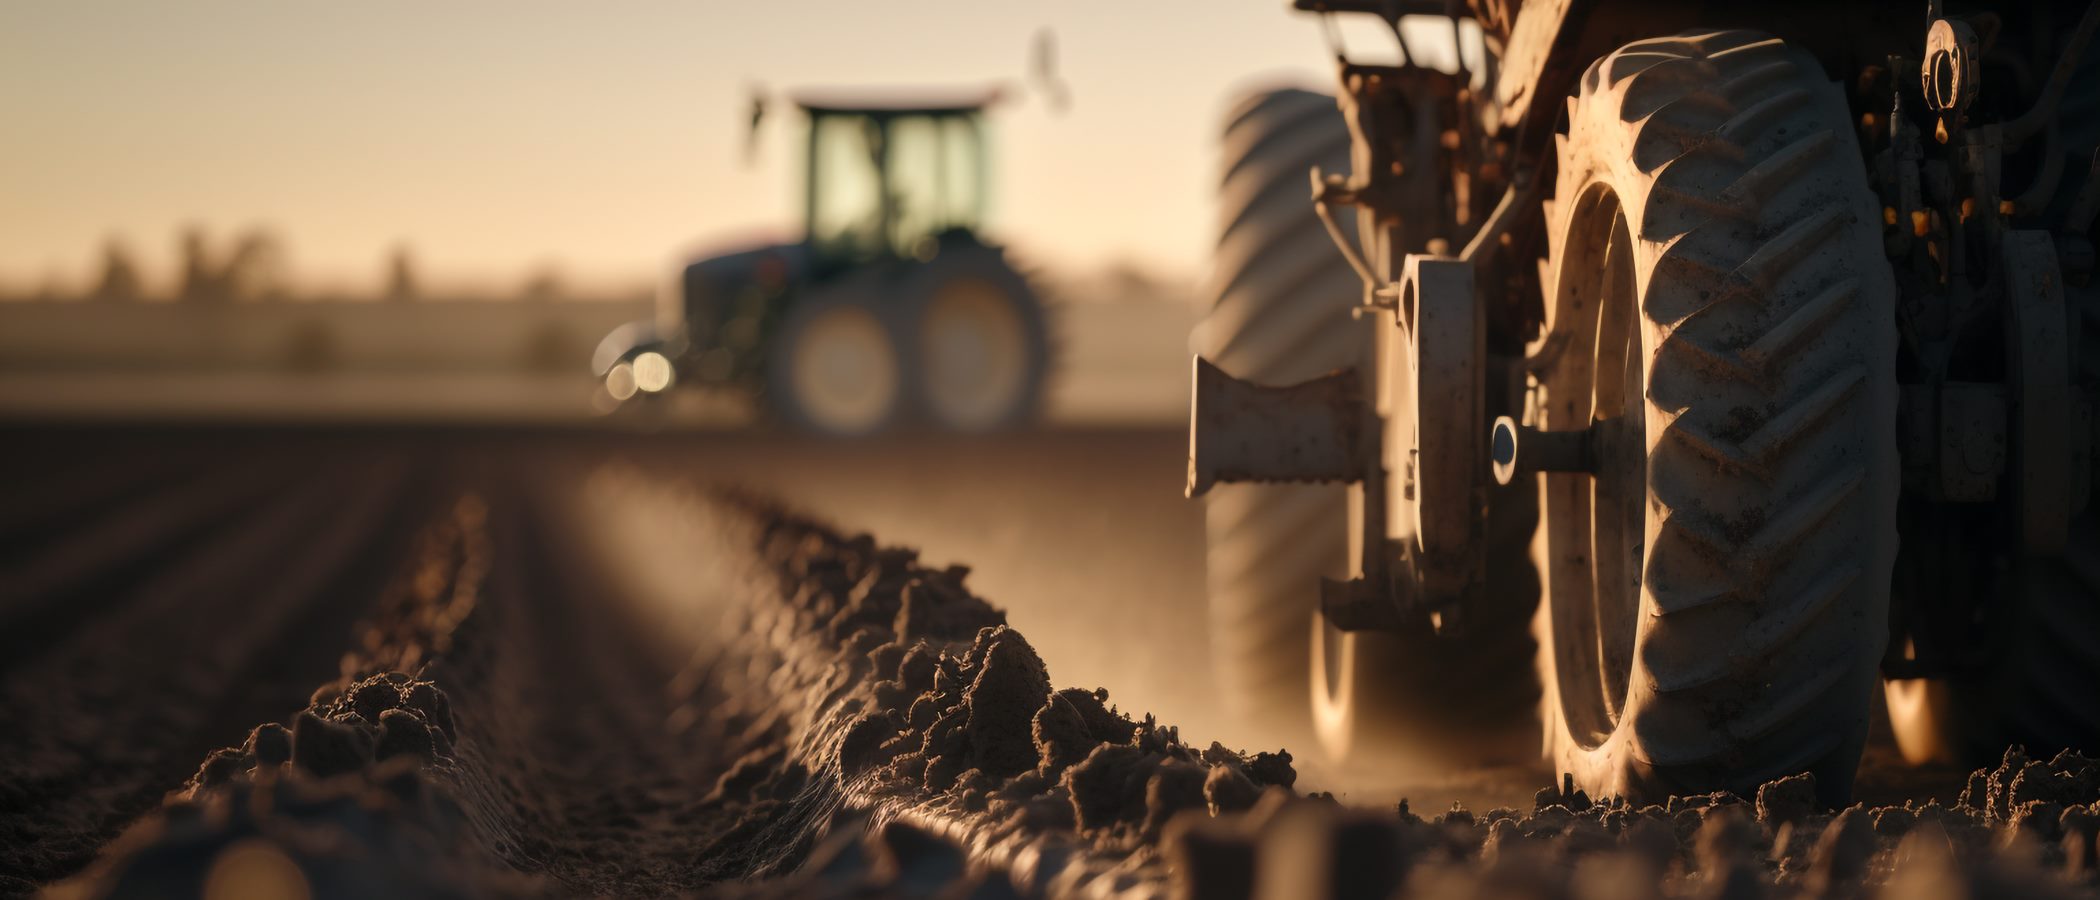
column 495, row 138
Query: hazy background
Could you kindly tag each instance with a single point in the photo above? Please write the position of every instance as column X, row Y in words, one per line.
column 500, row 140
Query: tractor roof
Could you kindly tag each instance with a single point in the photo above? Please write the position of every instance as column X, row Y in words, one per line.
column 898, row 101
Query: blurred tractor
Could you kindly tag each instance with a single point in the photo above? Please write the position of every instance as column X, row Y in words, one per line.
column 891, row 307
column 1669, row 319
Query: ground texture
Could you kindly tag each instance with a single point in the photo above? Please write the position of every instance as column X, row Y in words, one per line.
column 417, row 665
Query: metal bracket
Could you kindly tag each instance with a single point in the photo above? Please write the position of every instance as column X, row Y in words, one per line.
column 1516, row 449
column 1360, row 604
column 1441, row 427
column 1949, row 74
column 1241, row 431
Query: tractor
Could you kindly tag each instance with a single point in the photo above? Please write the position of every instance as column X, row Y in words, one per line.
column 1692, row 382
column 892, row 307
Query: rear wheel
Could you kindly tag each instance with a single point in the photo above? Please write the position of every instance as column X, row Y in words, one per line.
column 835, row 368
column 1717, row 590
column 980, row 342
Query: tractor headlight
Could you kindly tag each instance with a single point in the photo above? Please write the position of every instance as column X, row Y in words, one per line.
column 619, row 381
column 652, row 372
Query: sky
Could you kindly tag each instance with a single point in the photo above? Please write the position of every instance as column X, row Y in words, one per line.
column 602, row 139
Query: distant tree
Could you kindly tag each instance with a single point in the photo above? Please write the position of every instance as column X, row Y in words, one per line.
column 52, row 289
column 1121, row 281
column 1127, row 282
column 201, row 281
column 120, row 275
column 400, row 275
column 253, row 270
column 545, row 284
column 257, row 268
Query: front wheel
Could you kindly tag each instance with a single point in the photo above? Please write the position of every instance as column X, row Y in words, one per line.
column 835, row 369
column 1719, row 321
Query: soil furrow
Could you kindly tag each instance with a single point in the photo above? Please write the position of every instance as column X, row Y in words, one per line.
column 55, row 590
column 61, row 498
column 90, row 747
column 781, row 709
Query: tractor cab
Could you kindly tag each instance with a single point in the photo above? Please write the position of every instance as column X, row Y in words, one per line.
column 890, row 180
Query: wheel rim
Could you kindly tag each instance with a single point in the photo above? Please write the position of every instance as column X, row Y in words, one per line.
column 975, row 355
column 1594, row 634
column 844, row 372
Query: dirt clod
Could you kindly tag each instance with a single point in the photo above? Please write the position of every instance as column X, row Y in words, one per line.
column 270, row 744
column 1789, row 799
column 402, row 732
column 1227, row 788
column 324, row 748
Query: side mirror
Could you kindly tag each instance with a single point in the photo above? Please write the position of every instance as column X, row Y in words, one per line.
column 758, row 115
column 1042, row 72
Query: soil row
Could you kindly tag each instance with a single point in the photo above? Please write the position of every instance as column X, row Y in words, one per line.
column 868, row 727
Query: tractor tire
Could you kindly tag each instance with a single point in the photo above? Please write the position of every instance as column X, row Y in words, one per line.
column 2035, row 688
column 2040, row 690
column 1281, row 315
column 1717, row 591
column 836, row 367
column 978, row 335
